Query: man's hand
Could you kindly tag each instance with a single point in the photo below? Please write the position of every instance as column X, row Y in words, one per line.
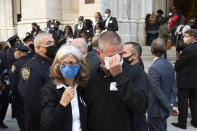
column 114, row 65
column 106, row 27
column 175, row 111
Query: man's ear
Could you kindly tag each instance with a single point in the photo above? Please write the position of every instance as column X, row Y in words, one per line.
column 98, row 52
column 135, row 56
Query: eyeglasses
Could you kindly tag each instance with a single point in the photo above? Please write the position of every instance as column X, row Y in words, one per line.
column 68, row 63
column 187, row 36
column 50, row 42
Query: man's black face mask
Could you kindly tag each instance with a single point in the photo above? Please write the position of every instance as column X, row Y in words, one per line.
column 127, row 59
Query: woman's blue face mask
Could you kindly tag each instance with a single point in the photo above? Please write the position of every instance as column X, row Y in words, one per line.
column 69, row 71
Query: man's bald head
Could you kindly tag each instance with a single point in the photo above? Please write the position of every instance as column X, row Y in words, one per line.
column 81, row 44
column 95, row 41
column 108, row 38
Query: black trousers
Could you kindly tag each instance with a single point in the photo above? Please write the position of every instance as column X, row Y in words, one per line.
column 139, row 122
column 20, row 116
column 4, row 102
column 185, row 95
column 30, row 123
column 157, row 124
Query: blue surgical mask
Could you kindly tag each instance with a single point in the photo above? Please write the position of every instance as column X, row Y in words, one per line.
column 69, row 71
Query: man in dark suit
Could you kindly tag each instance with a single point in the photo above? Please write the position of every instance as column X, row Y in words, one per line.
column 111, row 94
column 186, row 68
column 92, row 58
column 110, row 22
column 162, row 93
column 78, row 27
column 131, row 55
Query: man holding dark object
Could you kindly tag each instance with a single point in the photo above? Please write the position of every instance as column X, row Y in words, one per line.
column 186, row 70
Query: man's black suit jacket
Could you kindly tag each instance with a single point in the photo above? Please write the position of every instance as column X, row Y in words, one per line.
column 112, row 25
column 186, row 67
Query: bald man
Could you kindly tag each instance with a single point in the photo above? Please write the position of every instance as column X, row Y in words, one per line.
column 91, row 56
column 81, row 44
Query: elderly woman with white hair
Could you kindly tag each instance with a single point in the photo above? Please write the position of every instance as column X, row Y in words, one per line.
column 62, row 104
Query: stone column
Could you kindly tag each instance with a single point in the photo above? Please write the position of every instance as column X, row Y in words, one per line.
column 124, row 21
column 133, row 20
column 6, row 20
column 144, row 9
column 39, row 11
column 70, row 12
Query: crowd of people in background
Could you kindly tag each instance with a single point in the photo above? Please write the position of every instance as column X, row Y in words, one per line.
column 86, row 79
column 170, row 28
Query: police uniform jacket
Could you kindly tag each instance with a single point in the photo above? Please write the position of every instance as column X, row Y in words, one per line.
column 57, row 35
column 14, row 74
column 110, row 100
column 34, row 74
column 54, row 116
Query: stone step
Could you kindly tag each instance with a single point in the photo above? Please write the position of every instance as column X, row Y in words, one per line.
column 147, row 55
column 169, row 53
column 150, row 58
column 148, row 48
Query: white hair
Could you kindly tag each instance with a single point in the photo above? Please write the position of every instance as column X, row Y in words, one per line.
column 38, row 39
column 81, row 44
column 66, row 50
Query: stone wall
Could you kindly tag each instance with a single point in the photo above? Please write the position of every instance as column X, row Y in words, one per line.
column 129, row 13
column 6, row 20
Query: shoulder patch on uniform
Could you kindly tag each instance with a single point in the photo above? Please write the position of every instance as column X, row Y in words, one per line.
column 13, row 68
column 25, row 73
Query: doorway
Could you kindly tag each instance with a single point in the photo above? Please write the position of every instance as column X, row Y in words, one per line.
column 188, row 9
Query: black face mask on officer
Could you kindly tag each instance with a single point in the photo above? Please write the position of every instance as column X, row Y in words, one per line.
column 55, row 28
column 51, row 51
column 31, row 46
column 6, row 47
column 128, row 59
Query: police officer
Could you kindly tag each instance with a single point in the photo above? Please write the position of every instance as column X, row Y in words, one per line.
column 10, row 59
column 22, row 57
column 10, row 52
column 4, row 89
column 29, row 42
column 56, row 32
column 33, row 75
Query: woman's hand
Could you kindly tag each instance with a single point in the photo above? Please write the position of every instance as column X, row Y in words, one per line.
column 67, row 96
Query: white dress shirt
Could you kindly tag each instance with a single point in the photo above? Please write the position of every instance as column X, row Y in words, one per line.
column 107, row 21
column 155, row 59
column 80, row 26
column 76, row 124
column 185, row 28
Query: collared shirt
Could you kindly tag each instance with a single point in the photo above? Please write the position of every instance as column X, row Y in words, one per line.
column 194, row 42
column 185, row 28
column 155, row 59
column 107, row 21
column 76, row 126
column 80, row 26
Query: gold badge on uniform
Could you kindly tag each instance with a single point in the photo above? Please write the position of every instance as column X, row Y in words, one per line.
column 25, row 73
column 13, row 68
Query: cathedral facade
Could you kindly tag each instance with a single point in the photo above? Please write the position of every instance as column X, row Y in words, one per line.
column 16, row 16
